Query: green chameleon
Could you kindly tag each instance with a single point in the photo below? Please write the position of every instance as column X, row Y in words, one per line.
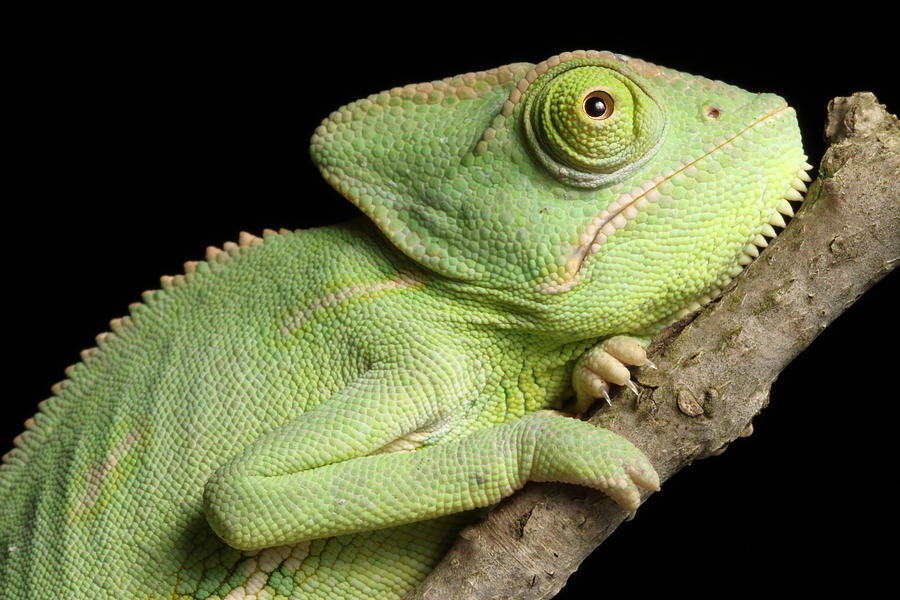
column 310, row 414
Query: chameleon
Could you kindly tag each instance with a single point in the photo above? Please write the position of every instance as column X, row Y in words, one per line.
column 316, row 413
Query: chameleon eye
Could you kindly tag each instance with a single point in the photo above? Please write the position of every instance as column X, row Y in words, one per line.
column 588, row 122
column 598, row 105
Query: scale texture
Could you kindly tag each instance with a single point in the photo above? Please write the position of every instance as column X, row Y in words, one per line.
column 315, row 414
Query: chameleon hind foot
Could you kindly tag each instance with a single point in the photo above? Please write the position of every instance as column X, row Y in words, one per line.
column 607, row 364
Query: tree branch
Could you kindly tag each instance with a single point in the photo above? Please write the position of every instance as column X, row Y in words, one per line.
column 714, row 375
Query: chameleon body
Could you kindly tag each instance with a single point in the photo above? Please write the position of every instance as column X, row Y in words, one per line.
column 310, row 414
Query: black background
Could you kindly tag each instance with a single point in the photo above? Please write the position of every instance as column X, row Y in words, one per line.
column 142, row 138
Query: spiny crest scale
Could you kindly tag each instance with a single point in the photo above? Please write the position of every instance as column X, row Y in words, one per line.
column 120, row 327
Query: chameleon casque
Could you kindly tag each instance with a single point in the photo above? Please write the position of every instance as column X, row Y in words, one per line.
column 309, row 414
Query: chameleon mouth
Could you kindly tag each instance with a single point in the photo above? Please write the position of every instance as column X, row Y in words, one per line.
column 629, row 205
column 776, row 223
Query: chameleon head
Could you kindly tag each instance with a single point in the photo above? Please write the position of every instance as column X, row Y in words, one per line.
column 590, row 180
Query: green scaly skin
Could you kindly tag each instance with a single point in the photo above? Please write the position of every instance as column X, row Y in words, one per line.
column 310, row 414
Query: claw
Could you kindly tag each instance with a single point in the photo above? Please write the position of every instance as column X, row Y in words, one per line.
column 606, row 397
column 632, row 387
column 607, row 364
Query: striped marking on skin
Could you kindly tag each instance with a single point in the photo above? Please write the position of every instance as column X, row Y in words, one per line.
column 404, row 280
column 98, row 476
column 627, row 206
column 121, row 329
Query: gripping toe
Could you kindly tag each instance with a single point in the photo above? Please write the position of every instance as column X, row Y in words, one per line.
column 606, row 364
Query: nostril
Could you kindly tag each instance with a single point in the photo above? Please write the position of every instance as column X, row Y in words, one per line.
column 712, row 113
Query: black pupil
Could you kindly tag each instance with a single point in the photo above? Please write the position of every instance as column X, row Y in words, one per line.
column 595, row 106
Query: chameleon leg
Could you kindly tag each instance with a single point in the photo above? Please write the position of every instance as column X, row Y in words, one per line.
column 604, row 364
column 281, row 492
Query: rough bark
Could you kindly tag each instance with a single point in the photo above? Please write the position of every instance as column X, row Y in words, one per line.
column 712, row 378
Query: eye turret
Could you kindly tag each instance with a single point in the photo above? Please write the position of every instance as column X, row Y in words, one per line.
column 590, row 123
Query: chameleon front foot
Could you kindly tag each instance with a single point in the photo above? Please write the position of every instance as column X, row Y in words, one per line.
column 607, row 364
